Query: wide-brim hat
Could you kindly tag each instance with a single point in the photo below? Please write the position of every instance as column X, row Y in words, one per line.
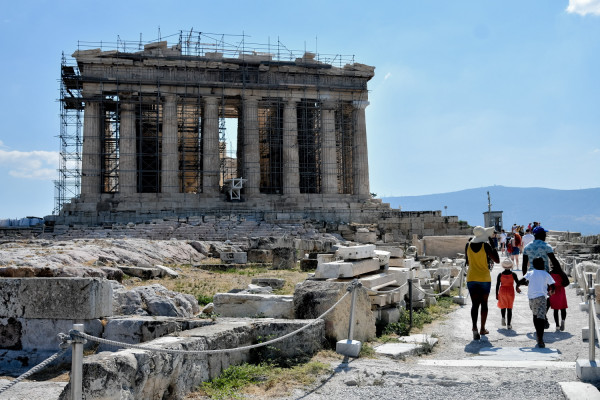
column 506, row 263
column 482, row 234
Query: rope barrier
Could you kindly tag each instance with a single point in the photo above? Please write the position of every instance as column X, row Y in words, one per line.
column 35, row 369
column 387, row 291
column 75, row 332
column 442, row 292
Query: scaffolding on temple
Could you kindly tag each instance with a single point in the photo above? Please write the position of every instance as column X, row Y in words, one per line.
column 68, row 184
column 189, row 113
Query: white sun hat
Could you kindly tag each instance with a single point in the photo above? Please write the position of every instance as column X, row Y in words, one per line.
column 482, row 234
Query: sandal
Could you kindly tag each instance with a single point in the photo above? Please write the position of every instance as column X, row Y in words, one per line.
column 476, row 335
column 484, row 332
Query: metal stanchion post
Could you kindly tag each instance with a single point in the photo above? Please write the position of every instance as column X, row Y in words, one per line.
column 460, row 299
column 592, row 327
column 77, row 364
column 352, row 303
column 350, row 347
column 410, row 307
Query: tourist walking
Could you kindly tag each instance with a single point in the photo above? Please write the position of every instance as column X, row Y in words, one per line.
column 558, row 301
column 516, row 249
column 527, row 238
column 479, row 281
column 539, row 248
column 540, row 285
column 502, row 240
column 505, row 292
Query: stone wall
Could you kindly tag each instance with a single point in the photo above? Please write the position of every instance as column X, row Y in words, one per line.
column 126, row 374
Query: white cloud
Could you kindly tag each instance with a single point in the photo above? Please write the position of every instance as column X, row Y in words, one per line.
column 40, row 165
column 387, row 76
column 584, row 7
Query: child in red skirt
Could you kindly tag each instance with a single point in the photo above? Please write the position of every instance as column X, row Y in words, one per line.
column 505, row 292
column 558, row 301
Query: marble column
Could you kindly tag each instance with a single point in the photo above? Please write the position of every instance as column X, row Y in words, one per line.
column 210, row 146
column 360, row 158
column 127, row 150
column 291, row 166
column 90, row 158
column 170, row 155
column 328, row 150
column 251, row 168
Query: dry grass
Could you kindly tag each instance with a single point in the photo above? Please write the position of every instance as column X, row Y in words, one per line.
column 278, row 382
column 201, row 282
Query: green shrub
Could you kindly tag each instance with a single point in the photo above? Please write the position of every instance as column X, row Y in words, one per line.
column 204, row 300
column 234, row 378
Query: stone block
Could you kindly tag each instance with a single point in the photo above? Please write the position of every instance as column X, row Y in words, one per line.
column 325, row 258
column 400, row 274
column 56, row 298
column 313, row 298
column 376, row 281
column 395, row 251
column 396, row 262
column 355, row 252
column 307, row 264
column 139, row 329
column 253, row 305
column 141, row 272
column 29, row 335
column 284, row 258
column 346, row 269
column 379, row 299
column 383, row 256
column 239, row 257
column 365, row 237
column 275, row 283
column 422, row 274
column 396, row 294
column 260, row 256
column 349, row 348
column 588, row 371
column 390, row 315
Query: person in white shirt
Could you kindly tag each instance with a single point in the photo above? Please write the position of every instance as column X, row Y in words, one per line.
column 502, row 240
column 540, row 285
column 527, row 238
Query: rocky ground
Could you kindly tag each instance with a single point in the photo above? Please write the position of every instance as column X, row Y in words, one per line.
column 502, row 365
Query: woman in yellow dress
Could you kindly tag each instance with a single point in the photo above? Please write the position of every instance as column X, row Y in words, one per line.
column 479, row 280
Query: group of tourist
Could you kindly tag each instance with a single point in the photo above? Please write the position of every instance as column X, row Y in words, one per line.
column 513, row 243
column 546, row 281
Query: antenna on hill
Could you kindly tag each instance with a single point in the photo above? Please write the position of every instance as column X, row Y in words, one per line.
column 489, row 202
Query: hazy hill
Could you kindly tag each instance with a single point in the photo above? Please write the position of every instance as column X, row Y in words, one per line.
column 563, row 210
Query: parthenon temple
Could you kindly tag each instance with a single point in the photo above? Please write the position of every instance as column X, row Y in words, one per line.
column 155, row 117
column 204, row 126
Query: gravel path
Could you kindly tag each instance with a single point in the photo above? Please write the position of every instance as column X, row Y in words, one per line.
column 416, row 377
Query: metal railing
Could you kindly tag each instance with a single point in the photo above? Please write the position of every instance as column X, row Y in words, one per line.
column 585, row 283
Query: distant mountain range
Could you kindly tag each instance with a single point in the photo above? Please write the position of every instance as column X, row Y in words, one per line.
column 560, row 210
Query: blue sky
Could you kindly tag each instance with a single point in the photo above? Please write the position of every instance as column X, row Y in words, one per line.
column 466, row 93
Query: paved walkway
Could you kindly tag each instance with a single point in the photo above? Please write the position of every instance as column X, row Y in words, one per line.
column 505, row 364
